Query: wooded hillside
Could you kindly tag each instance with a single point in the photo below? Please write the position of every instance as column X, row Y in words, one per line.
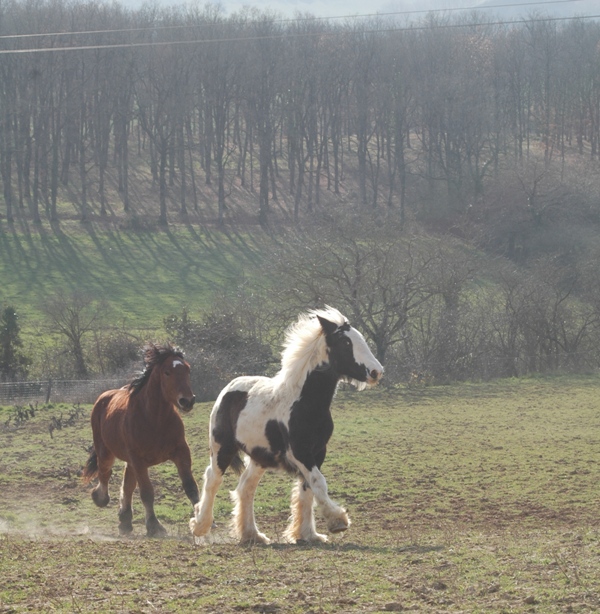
column 437, row 181
column 434, row 119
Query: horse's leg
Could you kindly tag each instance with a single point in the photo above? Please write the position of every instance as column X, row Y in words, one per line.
column 203, row 519
column 302, row 523
column 244, row 525
column 125, row 508
column 183, row 462
column 153, row 526
column 106, row 460
column 335, row 515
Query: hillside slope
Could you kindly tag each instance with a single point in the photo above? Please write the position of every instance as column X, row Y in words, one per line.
column 142, row 275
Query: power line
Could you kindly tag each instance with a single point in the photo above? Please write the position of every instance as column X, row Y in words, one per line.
column 446, row 10
column 288, row 35
column 156, row 28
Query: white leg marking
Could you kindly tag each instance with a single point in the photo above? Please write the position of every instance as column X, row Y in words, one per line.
column 202, row 521
column 335, row 515
column 124, row 497
column 302, row 522
column 244, row 525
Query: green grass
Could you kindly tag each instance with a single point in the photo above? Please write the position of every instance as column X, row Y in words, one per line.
column 467, row 498
column 144, row 275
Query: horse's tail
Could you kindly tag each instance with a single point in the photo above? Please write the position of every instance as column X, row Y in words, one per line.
column 237, row 464
column 90, row 471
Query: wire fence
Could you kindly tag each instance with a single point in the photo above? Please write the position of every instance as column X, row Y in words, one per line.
column 410, row 371
column 55, row 391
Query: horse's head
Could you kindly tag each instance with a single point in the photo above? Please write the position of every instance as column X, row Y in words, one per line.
column 175, row 382
column 167, row 365
column 350, row 355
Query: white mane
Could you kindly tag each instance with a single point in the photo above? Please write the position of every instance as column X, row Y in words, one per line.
column 304, row 347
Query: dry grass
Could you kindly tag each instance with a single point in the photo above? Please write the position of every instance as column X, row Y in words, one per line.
column 471, row 498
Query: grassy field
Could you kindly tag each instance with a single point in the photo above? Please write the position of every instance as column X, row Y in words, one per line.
column 468, row 498
column 144, row 275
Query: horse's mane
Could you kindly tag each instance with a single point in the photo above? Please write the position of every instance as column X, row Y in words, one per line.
column 304, row 347
column 153, row 355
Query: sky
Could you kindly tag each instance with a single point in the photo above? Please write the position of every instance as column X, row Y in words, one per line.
column 336, row 8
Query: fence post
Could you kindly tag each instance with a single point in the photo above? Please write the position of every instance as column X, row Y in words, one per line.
column 48, row 391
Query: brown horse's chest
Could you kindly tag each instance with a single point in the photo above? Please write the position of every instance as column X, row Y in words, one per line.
column 155, row 442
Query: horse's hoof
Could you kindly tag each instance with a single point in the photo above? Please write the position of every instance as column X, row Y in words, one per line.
column 255, row 538
column 338, row 525
column 125, row 520
column 315, row 538
column 310, row 537
column 156, row 530
column 100, row 501
column 156, row 534
column 199, row 530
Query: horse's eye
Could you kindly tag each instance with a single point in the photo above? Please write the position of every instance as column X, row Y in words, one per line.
column 167, row 373
column 346, row 340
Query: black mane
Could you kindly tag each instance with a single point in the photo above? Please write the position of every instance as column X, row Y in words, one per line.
column 153, row 355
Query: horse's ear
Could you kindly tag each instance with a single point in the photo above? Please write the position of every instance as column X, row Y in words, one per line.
column 327, row 326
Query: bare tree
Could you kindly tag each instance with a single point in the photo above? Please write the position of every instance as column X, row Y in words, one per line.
column 73, row 318
column 220, row 71
column 157, row 97
column 377, row 275
column 262, row 99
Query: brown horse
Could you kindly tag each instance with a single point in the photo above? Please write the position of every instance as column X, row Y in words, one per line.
column 140, row 425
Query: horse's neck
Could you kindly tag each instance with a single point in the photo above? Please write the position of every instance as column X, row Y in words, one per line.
column 319, row 388
column 153, row 404
column 294, row 377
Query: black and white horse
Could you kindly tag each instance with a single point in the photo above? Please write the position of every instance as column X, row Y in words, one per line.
column 285, row 422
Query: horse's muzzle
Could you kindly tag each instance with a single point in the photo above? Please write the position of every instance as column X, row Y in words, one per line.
column 374, row 376
column 186, row 405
